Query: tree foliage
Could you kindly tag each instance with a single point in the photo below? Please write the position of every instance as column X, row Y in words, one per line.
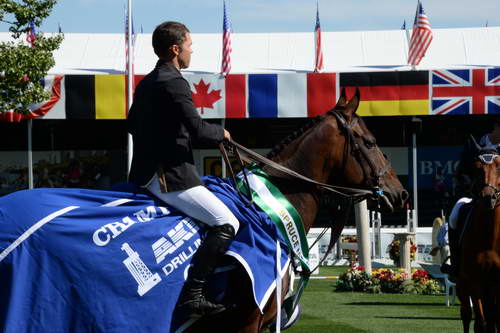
column 22, row 66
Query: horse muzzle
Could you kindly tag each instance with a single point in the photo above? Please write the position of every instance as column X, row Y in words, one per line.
column 489, row 196
column 489, row 201
column 389, row 202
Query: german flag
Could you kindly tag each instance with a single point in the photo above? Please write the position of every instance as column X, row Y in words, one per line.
column 389, row 93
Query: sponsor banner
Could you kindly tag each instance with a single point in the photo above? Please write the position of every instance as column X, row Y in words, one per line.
column 435, row 164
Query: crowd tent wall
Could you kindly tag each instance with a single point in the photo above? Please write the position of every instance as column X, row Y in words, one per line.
column 351, row 51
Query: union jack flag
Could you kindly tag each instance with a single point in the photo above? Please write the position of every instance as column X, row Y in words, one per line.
column 465, row 91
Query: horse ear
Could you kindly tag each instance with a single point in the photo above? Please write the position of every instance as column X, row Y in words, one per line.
column 353, row 104
column 473, row 143
column 342, row 99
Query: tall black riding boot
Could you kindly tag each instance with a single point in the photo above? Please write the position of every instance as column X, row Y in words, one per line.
column 192, row 299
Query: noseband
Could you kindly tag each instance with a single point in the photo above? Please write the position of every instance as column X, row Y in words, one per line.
column 373, row 176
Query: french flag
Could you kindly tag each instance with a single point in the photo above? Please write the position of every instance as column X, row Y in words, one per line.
column 264, row 95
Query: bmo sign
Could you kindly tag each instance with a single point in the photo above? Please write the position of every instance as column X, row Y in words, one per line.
column 435, row 162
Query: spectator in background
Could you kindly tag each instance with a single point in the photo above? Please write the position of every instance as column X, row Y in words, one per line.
column 43, row 175
column 436, row 226
column 443, row 245
column 440, row 188
column 74, row 174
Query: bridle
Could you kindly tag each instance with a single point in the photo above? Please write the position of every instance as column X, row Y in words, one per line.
column 373, row 176
column 486, row 155
column 488, row 158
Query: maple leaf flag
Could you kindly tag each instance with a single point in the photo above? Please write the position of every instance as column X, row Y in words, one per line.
column 208, row 95
column 204, row 99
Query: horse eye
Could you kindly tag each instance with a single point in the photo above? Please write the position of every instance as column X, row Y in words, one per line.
column 369, row 144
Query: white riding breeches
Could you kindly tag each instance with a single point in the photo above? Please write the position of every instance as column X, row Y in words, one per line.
column 197, row 202
column 456, row 209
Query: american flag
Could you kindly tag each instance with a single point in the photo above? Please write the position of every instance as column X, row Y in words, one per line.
column 31, row 36
column 421, row 37
column 318, row 59
column 226, row 44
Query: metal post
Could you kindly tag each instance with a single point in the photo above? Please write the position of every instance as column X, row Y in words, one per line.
column 129, row 81
column 377, row 225
column 223, row 169
column 30, row 154
column 362, row 229
column 415, row 185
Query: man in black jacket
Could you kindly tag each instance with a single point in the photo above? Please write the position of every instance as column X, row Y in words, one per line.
column 162, row 121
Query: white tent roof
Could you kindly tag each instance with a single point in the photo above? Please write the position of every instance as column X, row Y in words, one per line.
column 285, row 52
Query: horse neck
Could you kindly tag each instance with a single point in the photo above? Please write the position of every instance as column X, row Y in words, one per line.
column 306, row 156
column 496, row 230
column 486, row 225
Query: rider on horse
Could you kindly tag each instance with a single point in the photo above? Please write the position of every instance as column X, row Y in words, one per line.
column 462, row 207
column 162, row 121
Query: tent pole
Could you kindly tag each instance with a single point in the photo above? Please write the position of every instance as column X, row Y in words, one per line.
column 415, row 190
column 223, row 164
column 30, row 154
column 129, row 81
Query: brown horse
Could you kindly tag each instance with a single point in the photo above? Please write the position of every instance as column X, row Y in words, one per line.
column 336, row 148
column 479, row 277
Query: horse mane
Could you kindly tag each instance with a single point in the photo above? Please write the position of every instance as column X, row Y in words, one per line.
column 292, row 137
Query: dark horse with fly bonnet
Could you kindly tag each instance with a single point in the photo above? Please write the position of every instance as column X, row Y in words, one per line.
column 479, row 278
column 333, row 153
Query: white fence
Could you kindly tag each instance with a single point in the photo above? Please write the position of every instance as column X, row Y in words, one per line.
column 423, row 237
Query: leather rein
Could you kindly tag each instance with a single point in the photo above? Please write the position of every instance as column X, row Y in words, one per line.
column 354, row 195
column 358, row 151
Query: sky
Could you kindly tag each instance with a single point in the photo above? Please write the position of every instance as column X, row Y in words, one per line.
column 247, row 16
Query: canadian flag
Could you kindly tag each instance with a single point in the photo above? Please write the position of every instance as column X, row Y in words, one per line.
column 216, row 96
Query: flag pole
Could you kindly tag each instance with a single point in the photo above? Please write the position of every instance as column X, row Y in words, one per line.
column 30, row 154
column 407, row 32
column 413, row 66
column 129, row 80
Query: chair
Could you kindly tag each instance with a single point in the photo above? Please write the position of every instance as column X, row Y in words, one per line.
column 434, row 271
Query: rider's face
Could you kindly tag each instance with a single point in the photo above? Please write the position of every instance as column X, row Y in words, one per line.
column 184, row 56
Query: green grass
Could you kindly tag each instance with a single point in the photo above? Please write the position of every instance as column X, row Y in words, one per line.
column 324, row 310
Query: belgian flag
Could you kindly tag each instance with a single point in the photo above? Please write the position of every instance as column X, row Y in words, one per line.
column 95, row 97
column 389, row 93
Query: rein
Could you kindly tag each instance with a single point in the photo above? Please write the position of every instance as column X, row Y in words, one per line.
column 361, row 194
column 353, row 195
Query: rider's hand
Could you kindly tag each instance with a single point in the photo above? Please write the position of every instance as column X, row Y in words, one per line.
column 227, row 135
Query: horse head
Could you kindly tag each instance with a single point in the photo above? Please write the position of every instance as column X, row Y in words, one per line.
column 486, row 179
column 362, row 162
